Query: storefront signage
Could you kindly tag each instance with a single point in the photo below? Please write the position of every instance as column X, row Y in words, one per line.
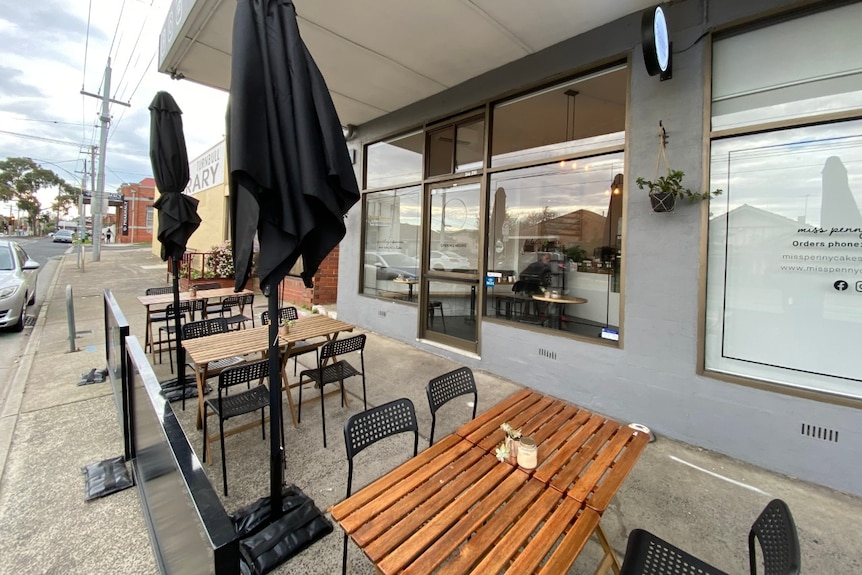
column 207, row 170
column 656, row 43
column 177, row 15
column 125, row 217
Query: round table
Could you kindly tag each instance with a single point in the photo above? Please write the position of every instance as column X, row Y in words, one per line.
column 560, row 301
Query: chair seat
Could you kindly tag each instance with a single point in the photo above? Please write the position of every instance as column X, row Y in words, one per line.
column 648, row 554
column 334, row 372
column 301, row 347
column 237, row 319
column 223, row 363
column 241, row 403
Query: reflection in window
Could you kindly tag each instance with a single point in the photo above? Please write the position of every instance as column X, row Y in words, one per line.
column 454, row 224
column 392, row 240
column 588, row 113
column 452, row 309
column 395, row 162
column 555, row 230
column 785, row 257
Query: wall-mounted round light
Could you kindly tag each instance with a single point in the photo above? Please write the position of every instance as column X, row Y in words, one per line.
column 656, row 42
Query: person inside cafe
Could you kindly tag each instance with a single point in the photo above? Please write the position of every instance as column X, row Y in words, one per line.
column 535, row 276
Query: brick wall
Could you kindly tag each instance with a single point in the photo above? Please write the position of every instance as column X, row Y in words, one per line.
column 140, row 196
column 325, row 290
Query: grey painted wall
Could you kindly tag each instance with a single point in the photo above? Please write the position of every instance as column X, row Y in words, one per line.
column 652, row 378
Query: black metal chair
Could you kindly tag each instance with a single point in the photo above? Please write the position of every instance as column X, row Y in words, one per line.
column 447, row 387
column 203, row 328
column 370, row 426
column 286, row 314
column 336, row 371
column 235, row 404
column 233, row 310
column 167, row 332
column 157, row 315
column 775, row 530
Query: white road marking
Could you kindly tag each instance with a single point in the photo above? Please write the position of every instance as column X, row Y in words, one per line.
column 729, row 480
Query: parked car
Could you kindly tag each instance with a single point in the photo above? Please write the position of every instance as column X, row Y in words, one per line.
column 390, row 265
column 448, row 261
column 64, row 236
column 17, row 284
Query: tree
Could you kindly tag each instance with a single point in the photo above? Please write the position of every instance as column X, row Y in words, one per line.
column 22, row 178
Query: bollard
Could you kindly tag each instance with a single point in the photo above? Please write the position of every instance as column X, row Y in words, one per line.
column 70, row 315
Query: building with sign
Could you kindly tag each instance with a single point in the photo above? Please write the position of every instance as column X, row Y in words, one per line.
column 134, row 212
column 499, row 146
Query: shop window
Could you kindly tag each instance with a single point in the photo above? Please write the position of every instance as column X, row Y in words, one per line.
column 784, row 271
column 554, row 246
column 585, row 114
column 788, row 70
column 392, row 240
column 457, row 148
column 394, row 162
column 149, row 223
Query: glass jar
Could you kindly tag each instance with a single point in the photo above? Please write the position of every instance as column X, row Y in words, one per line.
column 528, row 453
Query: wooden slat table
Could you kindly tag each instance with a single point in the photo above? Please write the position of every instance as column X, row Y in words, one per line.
column 201, row 351
column 454, row 509
column 582, row 454
column 161, row 301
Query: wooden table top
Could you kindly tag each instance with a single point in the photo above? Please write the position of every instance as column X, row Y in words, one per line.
column 454, row 509
column 163, row 299
column 561, row 299
column 405, row 281
column 247, row 341
column 582, row 454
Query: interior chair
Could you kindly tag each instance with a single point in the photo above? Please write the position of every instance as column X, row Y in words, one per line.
column 167, row 332
column 370, row 426
column 447, row 387
column 203, row 328
column 233, row 310
column 433, row 306
column 286, row 314
column 774, row 529
column 227, row 406
column 157, row 315
column 330, row 369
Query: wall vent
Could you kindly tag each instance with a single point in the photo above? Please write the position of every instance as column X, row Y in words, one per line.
column 381, row 313
column 818, row 432
column 548, row 354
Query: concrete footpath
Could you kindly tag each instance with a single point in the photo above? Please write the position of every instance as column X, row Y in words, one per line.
column 51, row 428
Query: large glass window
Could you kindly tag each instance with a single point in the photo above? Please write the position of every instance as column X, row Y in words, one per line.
column 394, row 162
column 392, row 241
column 554, row 246
column 784, row 276
column 585, row 114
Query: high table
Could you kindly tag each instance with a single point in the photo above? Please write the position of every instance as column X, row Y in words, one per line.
column 203, row 350
column 456, row 509
column 160, row 301
column 559, row 302
column 410, row 283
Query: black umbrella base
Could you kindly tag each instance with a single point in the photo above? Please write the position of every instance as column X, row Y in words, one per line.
column 265, row 543
column 172, row 389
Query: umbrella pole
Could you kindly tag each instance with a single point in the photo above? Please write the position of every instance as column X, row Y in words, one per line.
column 181, row 353
column 276, row 476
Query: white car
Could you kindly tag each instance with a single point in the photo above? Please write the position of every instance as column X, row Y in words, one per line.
column 17, row 284
column 448, row 261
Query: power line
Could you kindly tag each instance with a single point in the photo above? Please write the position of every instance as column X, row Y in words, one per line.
column 41, row 138
column 117, row 29
column 41, row 120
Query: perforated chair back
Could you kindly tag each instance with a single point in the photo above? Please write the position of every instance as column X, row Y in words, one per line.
column 284, row 314
column 344, row 346
column 368, row 427
column 204, row 327
column 775, row 530
column 447, row 387
column 159, row 290
column 648, row 554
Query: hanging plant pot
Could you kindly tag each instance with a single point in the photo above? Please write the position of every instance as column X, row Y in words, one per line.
column 662, row 201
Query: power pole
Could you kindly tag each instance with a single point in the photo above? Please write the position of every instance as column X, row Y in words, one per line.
column 82, row 221
column 97, row 201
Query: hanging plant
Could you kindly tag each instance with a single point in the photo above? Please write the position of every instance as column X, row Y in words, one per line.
column 664, row 191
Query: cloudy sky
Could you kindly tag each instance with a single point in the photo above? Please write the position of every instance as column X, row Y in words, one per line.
column 51, row 50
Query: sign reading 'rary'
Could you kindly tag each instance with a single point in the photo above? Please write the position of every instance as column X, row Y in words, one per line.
column 207, row 170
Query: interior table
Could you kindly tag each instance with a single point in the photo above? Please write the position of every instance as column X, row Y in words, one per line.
column 203, row 350
column 410, row 283
column 559, row 302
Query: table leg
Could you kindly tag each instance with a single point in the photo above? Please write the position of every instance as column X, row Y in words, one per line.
column 610, row 558
column 286, row 387
column 148, row 334
column 200, row 379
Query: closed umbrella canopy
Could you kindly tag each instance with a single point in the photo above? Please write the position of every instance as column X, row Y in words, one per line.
column 178, row 217
column 292, row 179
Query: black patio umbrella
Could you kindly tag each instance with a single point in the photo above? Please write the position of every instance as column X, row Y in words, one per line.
column 178, row 217
column 291, row 177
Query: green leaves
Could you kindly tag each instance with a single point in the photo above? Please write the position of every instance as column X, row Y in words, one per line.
column 672, row 184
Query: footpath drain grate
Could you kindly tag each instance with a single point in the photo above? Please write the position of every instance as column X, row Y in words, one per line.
column 29, row 321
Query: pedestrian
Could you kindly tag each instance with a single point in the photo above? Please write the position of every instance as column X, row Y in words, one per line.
column 108, row 235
